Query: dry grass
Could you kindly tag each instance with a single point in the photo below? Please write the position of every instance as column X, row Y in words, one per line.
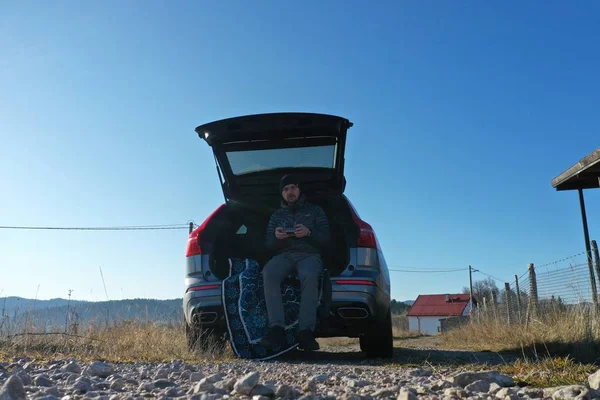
column 400, row 327
column 337, row 342
column 549, row 372
column 123, row 342
column 573, row 332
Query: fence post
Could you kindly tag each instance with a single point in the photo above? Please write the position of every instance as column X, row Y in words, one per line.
column 518, row 297
column 533, row 293
column 507, row 299
column 596, row 259
column 593, row 279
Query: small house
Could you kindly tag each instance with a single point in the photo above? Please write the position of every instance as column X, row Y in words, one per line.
column 428, row 310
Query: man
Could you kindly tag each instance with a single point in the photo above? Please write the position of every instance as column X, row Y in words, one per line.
column 296, row 234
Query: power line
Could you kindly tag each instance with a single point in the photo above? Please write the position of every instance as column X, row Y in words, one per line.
column 100, row 228
column 427, row 271
column 490, row 276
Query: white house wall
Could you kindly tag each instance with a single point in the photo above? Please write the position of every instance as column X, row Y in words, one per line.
column 424, row 325
column 429, row 325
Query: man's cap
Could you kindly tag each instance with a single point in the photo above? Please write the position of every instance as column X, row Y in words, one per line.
column 289, row 179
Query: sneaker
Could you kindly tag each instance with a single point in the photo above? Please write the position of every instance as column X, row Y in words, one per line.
column 306, row 341
column 274, row 338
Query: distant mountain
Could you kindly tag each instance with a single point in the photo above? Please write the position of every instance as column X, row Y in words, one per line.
column 53, row 314
column 20, row 304
column 409, row 302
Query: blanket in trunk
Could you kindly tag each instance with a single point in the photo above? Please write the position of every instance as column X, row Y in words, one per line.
column 246, row 312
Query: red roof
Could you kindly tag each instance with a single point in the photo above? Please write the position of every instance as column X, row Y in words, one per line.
column 436, row 305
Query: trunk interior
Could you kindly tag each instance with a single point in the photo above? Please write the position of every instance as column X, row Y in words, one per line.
column 239, row 231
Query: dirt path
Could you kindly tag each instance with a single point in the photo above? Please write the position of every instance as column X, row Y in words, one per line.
column 421, row 351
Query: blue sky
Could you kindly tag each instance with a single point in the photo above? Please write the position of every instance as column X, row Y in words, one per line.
column 463, row 112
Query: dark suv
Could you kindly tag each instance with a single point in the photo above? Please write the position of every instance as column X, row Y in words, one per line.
column 252, row 153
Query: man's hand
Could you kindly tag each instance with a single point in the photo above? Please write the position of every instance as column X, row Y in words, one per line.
column 280, row 234
column 301, row 231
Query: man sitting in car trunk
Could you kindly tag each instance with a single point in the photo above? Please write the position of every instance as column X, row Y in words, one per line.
column 296, row 234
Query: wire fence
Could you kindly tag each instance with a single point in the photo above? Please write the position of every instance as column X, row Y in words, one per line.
column 569, row 283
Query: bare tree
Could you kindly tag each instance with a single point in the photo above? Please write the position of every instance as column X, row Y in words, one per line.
column 483, row 288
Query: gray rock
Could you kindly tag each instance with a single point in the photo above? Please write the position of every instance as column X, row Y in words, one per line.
column 146, row 387
column 71, row 378
column 13, row 389
column 422, row 390
column 72, row 367
column 571, row 392
column 52, row 391
column 494, row 388
column 440, row 385
column 24, row 377
column 163, row 383
column 319, row 378
column 257, row 397
column 455, row 392
column 385, row 392
column 245, row 384
column 406, row 394
column 466, row 378
column 226, row 384
column 81, row 386
column 171, row 392
column 419, row 372
column 262, row 390
column 594, row 380
column 93, row 395
column 305, row 397
column 102, row 385
column 214, row 378
column 196, row 377
column 117, row 385
column 205, row 396
column 285, row 392
column 502, row 393
column 162, row 373
column 100, row 369
column 533, row 393
column 204, row 386
column 353, row 396
column 185, row 375
column 43, row 380
column 481, row 386
column 46, row 397
column 387, row 380
column 309, row 387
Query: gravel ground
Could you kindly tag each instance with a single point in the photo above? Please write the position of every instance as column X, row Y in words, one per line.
column 329, row 374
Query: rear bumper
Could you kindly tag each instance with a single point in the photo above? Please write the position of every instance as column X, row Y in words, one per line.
column 353, row 310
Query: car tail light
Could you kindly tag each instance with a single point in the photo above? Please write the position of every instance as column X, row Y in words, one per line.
column 203, row 287
column 354, row 282
column 193, row 245
column 367, row 237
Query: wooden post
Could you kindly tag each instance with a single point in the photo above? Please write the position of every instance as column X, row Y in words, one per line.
column 533, row 293
column 588, row 248
column 507, row 299
column 494, row 304
column 191, row 227
column 518, row 298
column 596, row 259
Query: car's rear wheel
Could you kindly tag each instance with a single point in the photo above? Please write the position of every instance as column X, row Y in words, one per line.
column 379, row 340
column 204, row 339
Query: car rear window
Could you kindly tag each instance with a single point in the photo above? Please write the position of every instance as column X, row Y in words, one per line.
column 248, row 161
